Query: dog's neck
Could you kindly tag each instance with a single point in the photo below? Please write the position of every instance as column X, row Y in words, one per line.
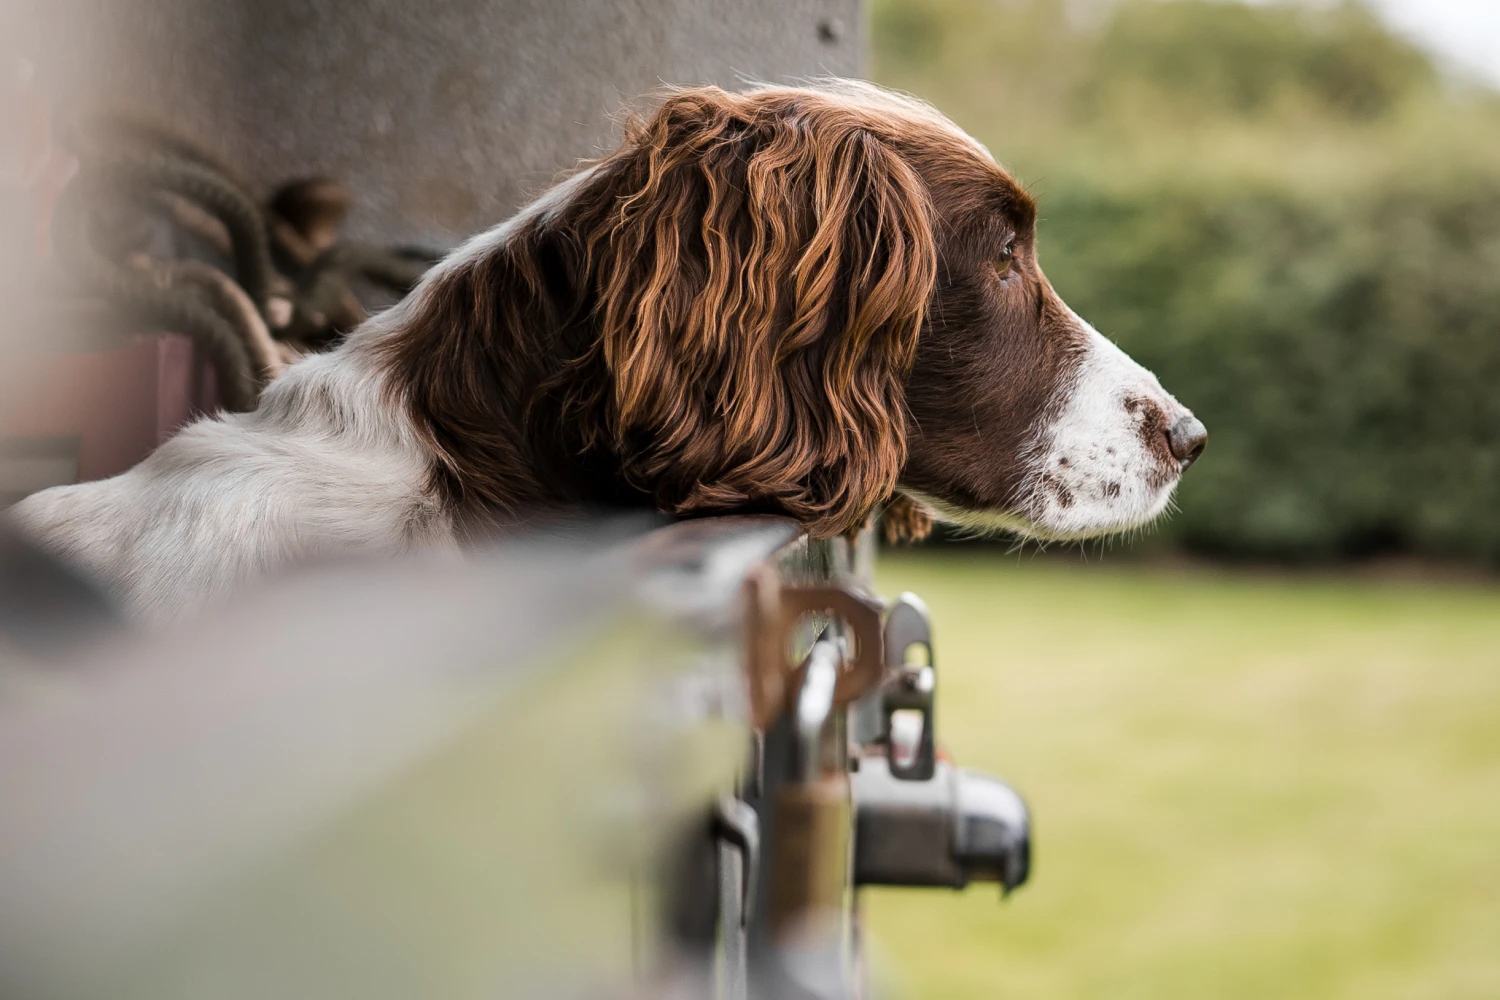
column 472, row 370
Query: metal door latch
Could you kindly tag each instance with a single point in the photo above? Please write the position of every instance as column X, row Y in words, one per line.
column 909, row 690
column 921, row 821
column 957, row 827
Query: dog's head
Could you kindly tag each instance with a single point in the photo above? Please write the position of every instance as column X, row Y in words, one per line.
column 801, row 300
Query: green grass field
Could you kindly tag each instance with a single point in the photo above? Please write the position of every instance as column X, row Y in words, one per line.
column 1249, row 787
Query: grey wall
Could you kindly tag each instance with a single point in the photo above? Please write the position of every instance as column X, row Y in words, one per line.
column 442, row 116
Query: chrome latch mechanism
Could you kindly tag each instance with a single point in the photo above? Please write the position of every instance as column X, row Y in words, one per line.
column 919, row 820
column 906, row 722
column 958, row 827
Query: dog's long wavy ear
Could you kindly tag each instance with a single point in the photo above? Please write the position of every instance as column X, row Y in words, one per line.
column 763, row 264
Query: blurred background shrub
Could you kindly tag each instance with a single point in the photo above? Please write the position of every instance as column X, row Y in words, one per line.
column 1291, row 215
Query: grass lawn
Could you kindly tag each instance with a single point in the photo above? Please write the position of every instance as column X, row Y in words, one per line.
column 1242, row 787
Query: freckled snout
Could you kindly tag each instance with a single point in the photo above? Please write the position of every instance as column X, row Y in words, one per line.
column 1187, row 439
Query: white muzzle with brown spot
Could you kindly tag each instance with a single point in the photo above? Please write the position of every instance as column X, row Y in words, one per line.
column 1106, row 462
column 1115, row 452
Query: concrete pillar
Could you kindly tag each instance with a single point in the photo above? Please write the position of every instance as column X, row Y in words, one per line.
column 442, row 116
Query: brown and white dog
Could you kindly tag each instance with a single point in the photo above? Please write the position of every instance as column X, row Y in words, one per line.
column 796, row 300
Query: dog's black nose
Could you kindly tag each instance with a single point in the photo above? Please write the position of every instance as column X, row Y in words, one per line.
column 1187, row 439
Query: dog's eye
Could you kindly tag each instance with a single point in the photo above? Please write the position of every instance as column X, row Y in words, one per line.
column 1004, row 260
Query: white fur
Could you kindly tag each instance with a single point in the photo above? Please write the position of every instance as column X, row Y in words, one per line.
column 482, row 244
column 1095, row 452
column 984, row 522
column 324, row 467
column 1089, row 471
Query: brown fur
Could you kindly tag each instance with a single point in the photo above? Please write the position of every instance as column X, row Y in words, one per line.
column 782, row 301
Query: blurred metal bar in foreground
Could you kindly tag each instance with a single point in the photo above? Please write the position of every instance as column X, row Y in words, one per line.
column 430, row 780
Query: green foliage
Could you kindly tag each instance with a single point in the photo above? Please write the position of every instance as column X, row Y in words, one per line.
column 1343, row 349
column 1216, row 58
column 1287, row 215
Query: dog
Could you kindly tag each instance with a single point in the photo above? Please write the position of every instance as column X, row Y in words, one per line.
column 809, row 301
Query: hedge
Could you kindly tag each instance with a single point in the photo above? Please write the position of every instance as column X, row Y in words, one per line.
column 1291, row 214
column 1343, row 349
